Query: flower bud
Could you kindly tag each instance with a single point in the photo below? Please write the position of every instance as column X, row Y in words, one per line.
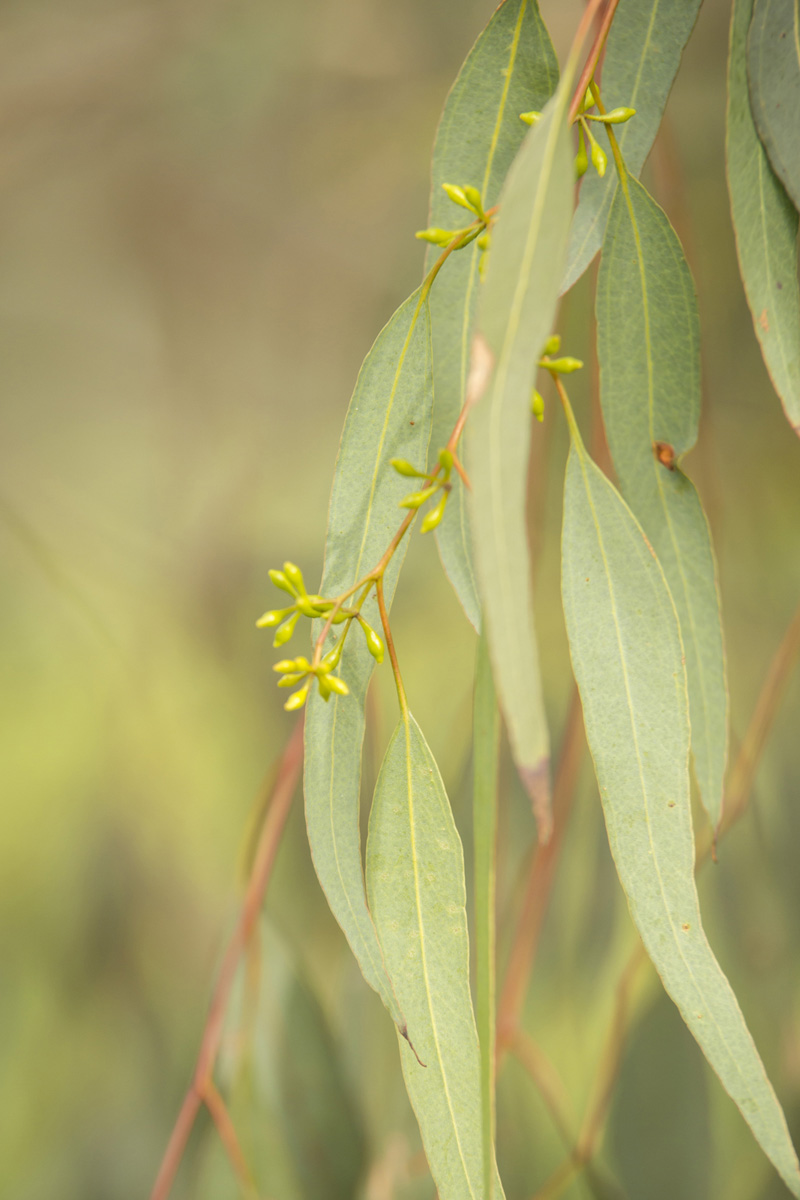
column 291, row 680
column 474, row 197
column 295, row 577
column 285, row 631
column 273, row 617
column 280, row 581
column 458, row 196
column 562, row 366
column 432, row 519
column 403, row 467
column 331, row 659
column 615, row 117
column 552, row 345
column 417, row 499
column 297, row 699
column 581, row 158
column 599, row 158
column 286, row 664
column 446, row 461
column 537, row 405
column 437, row 237
column 374, row 643
column 530, row 118
column 337, row 685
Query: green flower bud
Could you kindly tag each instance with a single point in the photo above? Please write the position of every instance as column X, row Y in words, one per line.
column 432, row 519
column 306, row 607
column 537, row 405
column 437, row 237
column 599, row 158
column 615, row 117
column 273, row 617
column 295, row 577
column 417, row 499
column 588, row 101
column 473, row 195
column 280, row 581
column 374, row 643
column 530, row 118
column 562, row 366
column 552, row 345
column 340, row 618
column 337, row 685
column 484, row 241
column 285, row 631
column 446, row 461
column 581, row 158
column 291, row 680
column 297, row 699
column 458, row 196
column 403, row 467
column 331, row 659
column 325, row 689
column 286, row 664
column 483, row 262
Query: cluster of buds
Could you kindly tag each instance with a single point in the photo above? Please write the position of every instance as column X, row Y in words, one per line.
column 300, row 670
column 468, row 197
column 433, row 484
column 599, row 158
column 564, row 365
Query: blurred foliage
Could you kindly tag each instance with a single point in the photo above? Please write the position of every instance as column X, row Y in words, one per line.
column 206, row 214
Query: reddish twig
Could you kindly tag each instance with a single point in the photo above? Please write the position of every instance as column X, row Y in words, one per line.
column 201, row 1090
column 590, row 66
column 228, row 1136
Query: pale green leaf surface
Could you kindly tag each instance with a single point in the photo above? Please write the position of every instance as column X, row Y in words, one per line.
column 642, row 58
column 648, row 347
column 485, row 752
column 627, row 657
column 511, row 69
column 765, row 223
column 516, row 314
column 773, row 69
column 389, row 416
column 417, row 895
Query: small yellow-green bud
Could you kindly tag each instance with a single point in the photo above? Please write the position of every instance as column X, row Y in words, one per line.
column 458, row 196
column 437, row 237
column 483, row 262
column 562, row 366
column 599, row 158
column 432, row 519
column 446, row 461
column 331, row 659
column 297, row 699
column 473, row 195
column 374, row 643
column 615, row 117
column 292, row 679
column 340, row 617
column 285, row 631
column 273, row 617
column 530, row 118
column 417, row 499
column 588, row 100
column 306, row 607
column 325, row 689
column 552, row 345
column 295, row 577
column 280, row 581
column 581, row 158
column 337, row 685
column 286, row 664
column 484, row 241
column 537, row 405
column 404, row 467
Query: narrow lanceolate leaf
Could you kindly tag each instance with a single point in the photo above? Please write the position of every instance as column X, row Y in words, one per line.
column 511, row 69
column 648, row 346
column 485, row 751
column 417, row 895
column 765, row 223
column 515, row 318
column 627, row 656
column 389, row 417
column 773, row 68
column 642, row 57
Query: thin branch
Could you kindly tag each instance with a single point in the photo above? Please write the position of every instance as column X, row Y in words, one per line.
column 227, row 1133
column 202, row 1086
column 593, row 59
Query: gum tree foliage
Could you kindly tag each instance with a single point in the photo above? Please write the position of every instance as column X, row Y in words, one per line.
column 535, row 171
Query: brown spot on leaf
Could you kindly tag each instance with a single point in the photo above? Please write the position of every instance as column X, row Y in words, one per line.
column 685, row 926
column 670, row 804
column 665, row 453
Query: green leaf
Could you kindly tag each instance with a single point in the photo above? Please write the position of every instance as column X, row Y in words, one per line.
column 627, row 657
column 516, row 314
column 765, row 223
column 642, row 57
column 389, row 417
column 511, row 68
column 324, row 1132
column 486, row 745
column 648, row 347
column 773, row 68
column 417, row 895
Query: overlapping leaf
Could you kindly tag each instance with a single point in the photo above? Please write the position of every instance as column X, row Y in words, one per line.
column 417, row 896
column 648, row 345
column 642, row 57
column 511, row 69
column 773, row 68
column 389, row 416
column 516, row 313
column 765, row 223
column 627, row 656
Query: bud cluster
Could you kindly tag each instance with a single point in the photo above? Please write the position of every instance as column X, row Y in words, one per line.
column 433, row 484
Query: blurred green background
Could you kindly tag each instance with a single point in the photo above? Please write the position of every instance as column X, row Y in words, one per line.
column 207, row 211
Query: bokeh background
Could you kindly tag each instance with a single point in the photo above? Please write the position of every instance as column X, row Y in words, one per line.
column 207, row 211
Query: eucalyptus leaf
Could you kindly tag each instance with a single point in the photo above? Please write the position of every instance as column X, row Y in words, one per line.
column 648, row 347
column 765, row 223
column 417, row 895
column 642, row 57
column 389, row 417
column 773, row 69
column 515, row 318
column 627, row 657
column 511, row 69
